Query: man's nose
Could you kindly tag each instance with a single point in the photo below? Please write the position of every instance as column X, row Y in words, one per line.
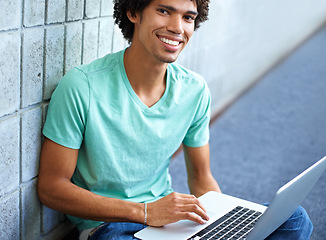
column 176, row 25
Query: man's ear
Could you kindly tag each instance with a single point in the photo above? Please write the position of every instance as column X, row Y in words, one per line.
column 132, row 17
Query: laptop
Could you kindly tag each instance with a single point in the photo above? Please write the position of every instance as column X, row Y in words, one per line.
column 235, row 218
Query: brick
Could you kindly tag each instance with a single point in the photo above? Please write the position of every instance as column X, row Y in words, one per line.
column 33, row 50
column 92, row 8
column 9, row 216
column 54, row 58
column 75, row 10
column 9, row 155
column 106, row 32
column 74, row 39
column 56, row 11
column 50, row 219
column 31, row 212
column 9, row 72
column 34, row 11
column 119, row 42
column 10, row 14
column 106, row 8
column 31, row 143
column 90, row 41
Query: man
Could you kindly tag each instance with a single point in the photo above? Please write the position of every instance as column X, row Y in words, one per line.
column 113, row 125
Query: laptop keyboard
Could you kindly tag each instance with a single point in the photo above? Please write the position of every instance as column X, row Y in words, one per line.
column 236, row 224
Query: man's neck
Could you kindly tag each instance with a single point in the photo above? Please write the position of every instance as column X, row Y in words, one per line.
column 147, row 77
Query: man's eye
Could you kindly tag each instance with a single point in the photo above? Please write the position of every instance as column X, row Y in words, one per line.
column 163, row 11
column 190, row 18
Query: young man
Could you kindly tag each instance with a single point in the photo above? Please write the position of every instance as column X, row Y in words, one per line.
column 113, row 125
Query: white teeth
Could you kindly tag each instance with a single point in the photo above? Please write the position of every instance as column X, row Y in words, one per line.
column 171, row 42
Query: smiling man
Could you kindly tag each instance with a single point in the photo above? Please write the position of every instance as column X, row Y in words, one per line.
column 114, row 124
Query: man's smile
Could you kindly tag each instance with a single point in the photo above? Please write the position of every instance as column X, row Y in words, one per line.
column 170, row 42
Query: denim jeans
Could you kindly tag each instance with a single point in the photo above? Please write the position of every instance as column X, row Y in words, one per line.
column 297, row 227
column 116, row 231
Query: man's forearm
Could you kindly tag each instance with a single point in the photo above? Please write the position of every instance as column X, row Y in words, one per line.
column 201, row 185
column 73, row 200
column 200, row 179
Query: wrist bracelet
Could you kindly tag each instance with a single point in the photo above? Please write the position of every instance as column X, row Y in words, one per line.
column 145, row 210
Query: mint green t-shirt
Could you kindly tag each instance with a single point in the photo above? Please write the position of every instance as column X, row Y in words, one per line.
column 124, row 146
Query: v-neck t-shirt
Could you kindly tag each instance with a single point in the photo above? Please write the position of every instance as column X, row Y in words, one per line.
column 125, row 147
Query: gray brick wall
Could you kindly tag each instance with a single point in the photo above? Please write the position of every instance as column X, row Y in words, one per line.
column 40, row 41
column 43, row 39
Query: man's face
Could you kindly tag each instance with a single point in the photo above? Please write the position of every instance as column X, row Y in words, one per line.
column 164, row 28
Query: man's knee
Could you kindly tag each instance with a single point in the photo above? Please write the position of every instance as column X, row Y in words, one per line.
column 298, row 226
column 301, row 220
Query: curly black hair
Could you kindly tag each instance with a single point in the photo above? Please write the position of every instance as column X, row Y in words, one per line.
column 127, row 27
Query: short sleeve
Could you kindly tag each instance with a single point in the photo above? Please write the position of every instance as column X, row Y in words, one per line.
column 67, row 113
column 198, row 133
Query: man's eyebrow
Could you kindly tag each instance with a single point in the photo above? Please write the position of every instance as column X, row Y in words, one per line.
column 173, row 9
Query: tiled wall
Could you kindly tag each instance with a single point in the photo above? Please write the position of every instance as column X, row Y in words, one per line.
column 40, row 41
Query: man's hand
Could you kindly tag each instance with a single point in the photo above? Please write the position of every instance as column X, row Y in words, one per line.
column 175, row 207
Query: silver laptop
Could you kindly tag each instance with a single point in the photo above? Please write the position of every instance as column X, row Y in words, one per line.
column 234, row 218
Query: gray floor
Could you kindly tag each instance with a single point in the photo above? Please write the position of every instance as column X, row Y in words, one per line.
column 272, row 133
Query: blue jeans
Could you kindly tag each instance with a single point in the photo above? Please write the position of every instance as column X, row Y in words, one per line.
column 298, row 227
column 116, row 231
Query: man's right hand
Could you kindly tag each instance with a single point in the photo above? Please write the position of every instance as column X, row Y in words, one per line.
column 175, row 207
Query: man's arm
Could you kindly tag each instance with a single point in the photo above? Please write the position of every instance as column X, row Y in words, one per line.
column 200, row 179
column 55, row 190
